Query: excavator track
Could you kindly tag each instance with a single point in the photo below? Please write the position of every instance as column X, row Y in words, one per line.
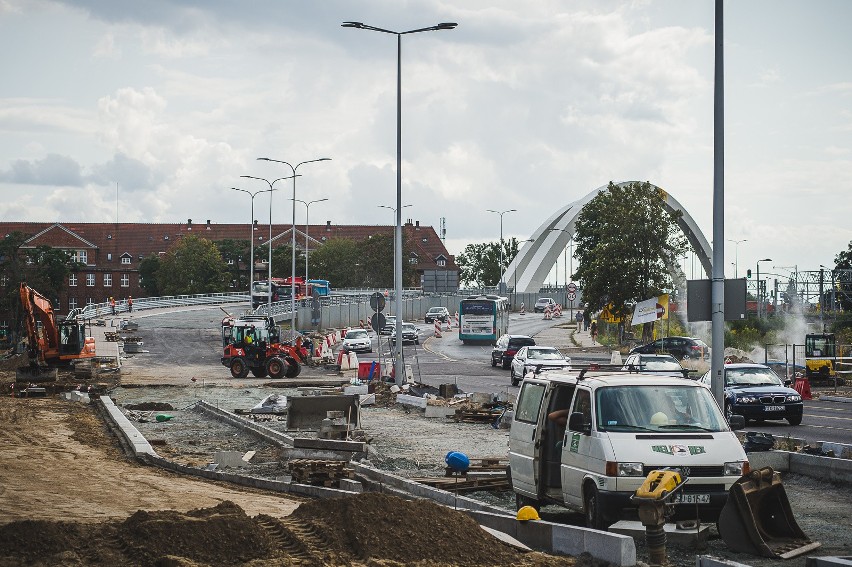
column 294, row 539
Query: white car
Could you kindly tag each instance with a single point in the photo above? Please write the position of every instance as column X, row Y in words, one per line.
column 536, row 359
column 358, row 340
column 656, row 364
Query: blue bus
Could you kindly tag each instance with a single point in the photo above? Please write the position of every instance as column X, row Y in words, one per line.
column 483, row 318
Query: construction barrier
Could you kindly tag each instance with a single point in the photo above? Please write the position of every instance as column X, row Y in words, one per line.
column 558, row 310
column 457, row 318
column 523, row 309
column 547, row 313
column 803, row 386
column 353, row 361
column 449, row 327
column 437, row 329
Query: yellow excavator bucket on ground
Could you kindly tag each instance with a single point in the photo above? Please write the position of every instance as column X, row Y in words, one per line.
column 757, row 518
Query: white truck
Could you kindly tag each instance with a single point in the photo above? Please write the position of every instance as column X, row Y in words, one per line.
column 610, row 430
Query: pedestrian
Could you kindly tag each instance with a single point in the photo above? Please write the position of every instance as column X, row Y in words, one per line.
column 579, row 318
column 112, row 304
column 593, row 329
column 129, row 304
column 586, row 319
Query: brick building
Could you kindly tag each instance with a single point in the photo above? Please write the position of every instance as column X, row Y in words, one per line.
column 113, row 252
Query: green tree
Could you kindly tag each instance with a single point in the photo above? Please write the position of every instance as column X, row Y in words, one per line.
column 479, row 264
column 626, row 244
column 12, row 266
column 148, row 272
column 236, row 253
column 47, row 270
column 193, row 265
column 336, row 261
column 843, row 261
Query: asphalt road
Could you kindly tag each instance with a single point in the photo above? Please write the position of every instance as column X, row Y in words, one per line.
column 193, row 337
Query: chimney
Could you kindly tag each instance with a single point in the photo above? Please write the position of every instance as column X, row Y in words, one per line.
column 417, row 225
column 328, row 226
column 188, row 224
column 208, row 224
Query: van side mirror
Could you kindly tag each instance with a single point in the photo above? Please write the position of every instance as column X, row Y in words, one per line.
column 577, row 422
column 788, row 382
column 737, row 422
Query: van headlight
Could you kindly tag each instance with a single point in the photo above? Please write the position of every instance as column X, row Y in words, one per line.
column 794, row 398
column 629, row 469
column 736, row 468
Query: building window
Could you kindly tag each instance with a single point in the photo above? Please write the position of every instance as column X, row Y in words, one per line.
column 72, row 303
column 83, row 257
column 125, row 259
column 107, row 280
column 90, row 280
column 90, row 301
column 125, row 280
column 109, row 256
column 442, row 262
column 412, row 260
column 72, row 280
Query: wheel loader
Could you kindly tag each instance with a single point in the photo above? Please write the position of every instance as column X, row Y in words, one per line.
column 252, row 343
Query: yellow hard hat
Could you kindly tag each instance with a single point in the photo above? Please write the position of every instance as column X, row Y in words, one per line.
column 659, row 418
column 527, row 513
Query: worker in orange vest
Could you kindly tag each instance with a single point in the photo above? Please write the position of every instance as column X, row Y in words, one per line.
column 129, row 304
column 112, row 304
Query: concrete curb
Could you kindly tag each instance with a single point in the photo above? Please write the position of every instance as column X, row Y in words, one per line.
column 828, row 561
column 841, row 399
column 823, row 468
column 131, row 436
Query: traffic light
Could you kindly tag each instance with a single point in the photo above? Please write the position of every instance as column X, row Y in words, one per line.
column 748, row 273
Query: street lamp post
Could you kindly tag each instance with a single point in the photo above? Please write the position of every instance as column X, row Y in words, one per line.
column 501, row 213
column 400, row 371
column 251, row 237
column 758, row 284
column 736, row 253
column 293, row 230
column 307, row 224
column 271, row 189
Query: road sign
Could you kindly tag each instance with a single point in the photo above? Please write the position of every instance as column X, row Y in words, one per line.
column 377, row 321
column 572, row 296
column 572, row 288
column 377, row 301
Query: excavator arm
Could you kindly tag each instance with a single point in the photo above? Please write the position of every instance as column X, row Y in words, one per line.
column 37, row 309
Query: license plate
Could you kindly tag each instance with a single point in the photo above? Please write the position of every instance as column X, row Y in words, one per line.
column 692, row 499
column 773, row 408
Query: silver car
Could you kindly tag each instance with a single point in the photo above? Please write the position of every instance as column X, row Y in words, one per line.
column 358, row 340
column 537, row 359
column 656, row 364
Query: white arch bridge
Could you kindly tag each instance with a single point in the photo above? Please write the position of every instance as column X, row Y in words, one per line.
column 530, row 267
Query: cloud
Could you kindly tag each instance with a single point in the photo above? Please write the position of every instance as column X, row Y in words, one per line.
column 53, row 170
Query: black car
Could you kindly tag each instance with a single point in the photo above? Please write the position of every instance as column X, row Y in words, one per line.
column 682, row 348
column 755, row 392
column 409, row 334
column 442, row 314
column 506, row 347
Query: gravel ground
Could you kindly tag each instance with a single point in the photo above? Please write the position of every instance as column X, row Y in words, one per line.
column 410, row 445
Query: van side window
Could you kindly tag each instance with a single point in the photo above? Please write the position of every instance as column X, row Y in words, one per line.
column 583, row 405
column 528, row 402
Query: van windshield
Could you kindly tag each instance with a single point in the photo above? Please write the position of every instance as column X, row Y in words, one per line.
column 657, row 408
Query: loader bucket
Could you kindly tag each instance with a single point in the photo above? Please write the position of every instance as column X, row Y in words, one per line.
column 757, row 518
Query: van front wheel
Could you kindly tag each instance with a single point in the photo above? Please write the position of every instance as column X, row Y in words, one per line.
column 592, row 509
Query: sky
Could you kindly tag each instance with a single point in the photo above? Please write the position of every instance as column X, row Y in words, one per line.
column 151, row 111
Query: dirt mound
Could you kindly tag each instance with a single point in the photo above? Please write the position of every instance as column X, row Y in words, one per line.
column 366, row 529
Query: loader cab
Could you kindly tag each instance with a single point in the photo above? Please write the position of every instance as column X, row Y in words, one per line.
column 820, row 353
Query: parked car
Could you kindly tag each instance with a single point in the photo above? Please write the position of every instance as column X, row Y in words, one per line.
column 755, row 392
column 442, row 314
column 537, row 359
column 543, row 302
column 682, row 348
column 656, row 364
column 409, row 334
column 358, row 340
column 390, row 325
column 506, row 347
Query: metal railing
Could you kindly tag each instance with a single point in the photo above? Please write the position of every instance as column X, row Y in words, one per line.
column 94, row 310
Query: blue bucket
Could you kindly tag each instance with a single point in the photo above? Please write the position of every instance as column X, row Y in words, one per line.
column 457, row 461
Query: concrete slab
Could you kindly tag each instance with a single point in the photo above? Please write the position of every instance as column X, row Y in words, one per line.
column 229, row 459
column 407, row 400
column 674, row 536
column 439, row 411
column 707, row 561
column 778, row 460
column 828, row 561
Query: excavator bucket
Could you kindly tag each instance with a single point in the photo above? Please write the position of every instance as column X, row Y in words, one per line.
column 36, row 374
column 757, row 518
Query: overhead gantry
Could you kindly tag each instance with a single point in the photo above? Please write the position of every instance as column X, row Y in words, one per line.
column 535, row 259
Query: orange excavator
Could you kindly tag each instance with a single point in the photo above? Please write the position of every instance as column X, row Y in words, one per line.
column 51, row 343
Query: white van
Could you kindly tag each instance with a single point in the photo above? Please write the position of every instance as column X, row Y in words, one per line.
column 615, row 428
